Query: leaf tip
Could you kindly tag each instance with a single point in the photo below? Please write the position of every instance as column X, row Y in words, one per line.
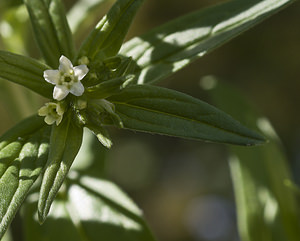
column 43, row 210
column 42, row 217
column 257, row 140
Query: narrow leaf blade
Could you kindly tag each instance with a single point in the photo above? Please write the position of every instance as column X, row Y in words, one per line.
column 93, row 208
column 24, row 71
column 65, row 143
column 267, row 207
column 81, row 12
column 106, row 39
column 163, row 111
column 23, row 154
column 174, row 45
column 51, row 29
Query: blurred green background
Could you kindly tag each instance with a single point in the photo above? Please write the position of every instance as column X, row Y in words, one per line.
column 184, row 187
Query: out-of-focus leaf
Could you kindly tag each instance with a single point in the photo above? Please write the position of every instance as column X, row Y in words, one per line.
column 4, row 4
column 7, row 236
column 88, row 209
column 91, row 158
column 14, row 29
column 51, row 29
column 106, row 39
column 174, row 45
column 81, row 10
column 23, row 155
column 266, row 206
column 159, row 110
column 66, row 139
column 24, row 71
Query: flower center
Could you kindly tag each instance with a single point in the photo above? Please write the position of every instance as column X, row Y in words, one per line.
column 67, row 79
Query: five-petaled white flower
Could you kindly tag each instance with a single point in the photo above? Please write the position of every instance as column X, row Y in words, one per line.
column 53, row 112
column 66, row 79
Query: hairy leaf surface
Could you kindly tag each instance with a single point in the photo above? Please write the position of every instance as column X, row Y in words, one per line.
column 159, row 110
column 24, row 71
column 51, row 29
column 174, row 45
column 106, row 39
column 23, row 155
column 65, row 142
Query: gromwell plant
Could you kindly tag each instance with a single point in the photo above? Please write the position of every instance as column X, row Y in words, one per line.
column 105, row 83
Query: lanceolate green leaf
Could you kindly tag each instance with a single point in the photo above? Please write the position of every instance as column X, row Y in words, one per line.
column 174, row 45
column 51, row 29
column 89, row 209
column 267, row 207
column 24, row 71
column 23, row 154
column 64, row 145
column 106, row 39
column 158, row 110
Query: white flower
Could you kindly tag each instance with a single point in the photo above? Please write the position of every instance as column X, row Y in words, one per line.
column 66, row 79
column 53, row 112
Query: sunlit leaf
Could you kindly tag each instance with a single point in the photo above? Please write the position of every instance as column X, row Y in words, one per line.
column 267, row 207
column 81, row 11
column 88, row 209
column 24, row 71
column 106, row 39
column 51, row 29
column 159, row 110
column 66, row 139
column 23, row 155
column 174, row 45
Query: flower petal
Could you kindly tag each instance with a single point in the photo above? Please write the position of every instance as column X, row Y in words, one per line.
column 80, row 71
column 77, row 89
column 51, row 76
column 65, row 65
column 60, row 92
column 59, row 109
column 43, row 111
column 49, row 119
column 59, row 119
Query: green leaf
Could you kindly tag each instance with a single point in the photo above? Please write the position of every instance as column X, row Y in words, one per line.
column 81, row 11
column 267, row 207
column 66, row 139
column 91, row 158
column 4, row 4
column 51, row 29
column 164, row 111
column 106, row 39
column 174, row 45
column 7, row 236
column 23, row 154
column 90, row 209
column 24, row 71
column 109, row 87
column 102, row 134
